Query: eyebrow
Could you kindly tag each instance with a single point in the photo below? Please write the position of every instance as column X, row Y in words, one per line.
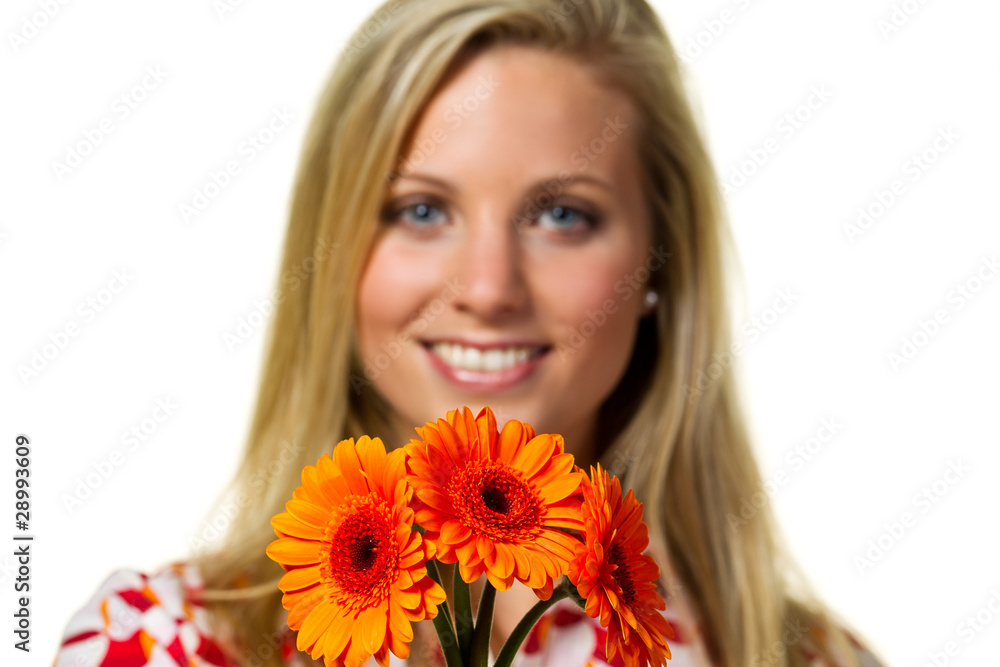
column 545, row 184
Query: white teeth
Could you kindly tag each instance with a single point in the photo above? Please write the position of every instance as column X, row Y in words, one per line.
column 492, row 360
column 474, row 359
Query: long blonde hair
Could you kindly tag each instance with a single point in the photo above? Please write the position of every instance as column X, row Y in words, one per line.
column 697, row 468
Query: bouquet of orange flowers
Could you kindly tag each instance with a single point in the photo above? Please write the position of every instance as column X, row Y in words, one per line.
column 361, row 537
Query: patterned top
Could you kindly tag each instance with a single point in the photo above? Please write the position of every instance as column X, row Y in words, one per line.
column 139, row 620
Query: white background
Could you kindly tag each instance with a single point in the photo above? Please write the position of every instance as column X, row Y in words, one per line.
column 827, row 357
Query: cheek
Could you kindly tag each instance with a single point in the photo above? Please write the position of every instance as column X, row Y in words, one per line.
column 388, row 297
column 595, row 313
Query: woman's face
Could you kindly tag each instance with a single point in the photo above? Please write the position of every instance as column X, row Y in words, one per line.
column 514, row 242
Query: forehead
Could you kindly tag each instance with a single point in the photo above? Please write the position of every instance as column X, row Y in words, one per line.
column 522, row 112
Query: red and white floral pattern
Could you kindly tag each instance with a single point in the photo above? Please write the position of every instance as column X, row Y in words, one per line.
column 139, row 620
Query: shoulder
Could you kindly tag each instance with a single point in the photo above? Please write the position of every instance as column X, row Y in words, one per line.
column 136, row 619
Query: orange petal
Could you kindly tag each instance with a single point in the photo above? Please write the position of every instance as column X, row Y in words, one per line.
column 499, row 583
column 411, row 559
column 300, row 603
column 470, row 574
column 337, row 636
column 485, row 548
column 486, row 423
column 455, row 532
column 437, row 500
column 382, row 655
column 371, row 453
column 453, row 447
column 534, row 455
column 399, row 626
column 463, row 423
column 537, row 571
column 289, row 525
column 522, row 566
column 467, row 552
column 544, row 592
column 400, row 647
column 433, row 596
column 313, row 628
column 559, row 544
column 504, row 561
column 407, row 598
column 293, row 551
column 345, row 456
column 557, row 466
column 356, row 654
column 561, row 487
column 371, row 626
column 300, row 577
column 395, row 471
column 419, row 466
column 512, row 438
column 309, row 513
column 443, row 458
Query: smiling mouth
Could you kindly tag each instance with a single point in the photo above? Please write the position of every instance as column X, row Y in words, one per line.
column 495, row 359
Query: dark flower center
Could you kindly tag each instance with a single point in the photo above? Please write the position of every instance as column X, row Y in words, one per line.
column 495, row 499
column 364, row 552
column 621, row 574
column 361, row 557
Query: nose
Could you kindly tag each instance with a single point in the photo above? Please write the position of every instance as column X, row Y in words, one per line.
column 489, row 262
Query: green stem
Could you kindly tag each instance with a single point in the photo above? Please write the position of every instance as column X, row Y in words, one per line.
column 463, row 615
column 443, row 625
column 484, row 623
column 520, row 633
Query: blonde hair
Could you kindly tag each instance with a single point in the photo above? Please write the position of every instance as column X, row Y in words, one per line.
column 696, row 468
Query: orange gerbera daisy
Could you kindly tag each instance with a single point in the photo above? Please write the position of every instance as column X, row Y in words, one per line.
column 616, row 578
column 496, row 503
column 356, row 574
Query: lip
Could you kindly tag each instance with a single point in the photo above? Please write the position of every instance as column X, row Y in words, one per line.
column 483, row 345
column 486, row 381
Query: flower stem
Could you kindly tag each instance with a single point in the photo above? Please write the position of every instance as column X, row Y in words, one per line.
column 520, row 632
column 443, row 624
column 484, row 624
column 463, row 615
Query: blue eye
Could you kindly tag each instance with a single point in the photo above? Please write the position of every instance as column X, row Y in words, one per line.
column 422, row 212
column 418, row 214
column 564, row 215
column 426, row 215
column 567, row 219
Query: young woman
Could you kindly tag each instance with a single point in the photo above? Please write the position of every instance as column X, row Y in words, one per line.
column 503, row 203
